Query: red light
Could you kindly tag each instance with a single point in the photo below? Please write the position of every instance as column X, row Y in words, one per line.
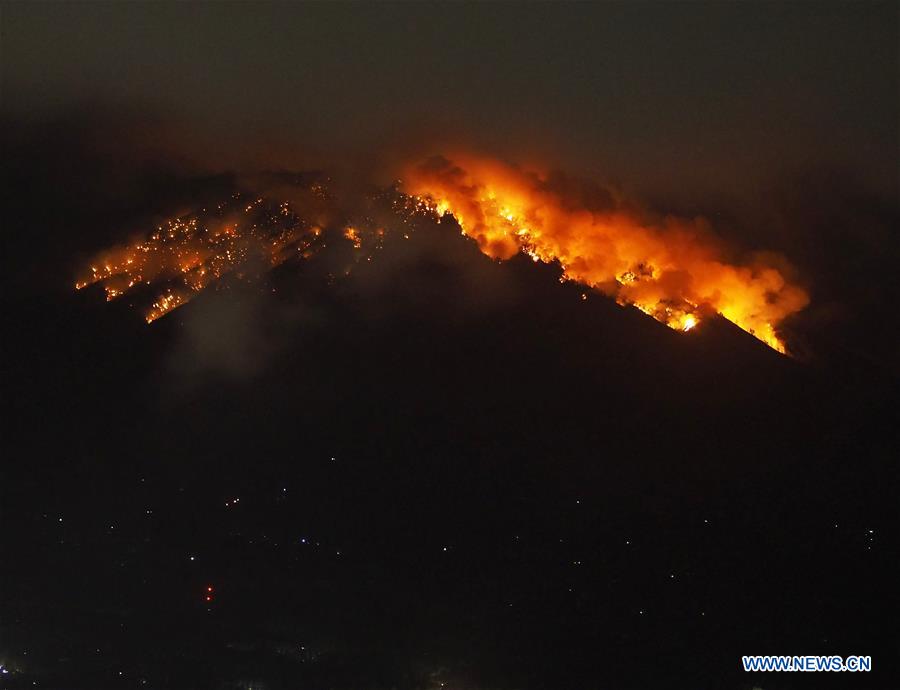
column 209, row 598
column 209, row 589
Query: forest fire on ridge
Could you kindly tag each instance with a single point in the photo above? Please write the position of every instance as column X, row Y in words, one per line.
column 672, row 268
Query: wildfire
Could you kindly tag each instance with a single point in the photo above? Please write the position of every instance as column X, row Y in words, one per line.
column 672, row 269
column 186, row 255
column 353, row 235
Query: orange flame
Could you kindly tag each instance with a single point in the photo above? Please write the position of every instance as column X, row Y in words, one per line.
column 672, row 269
column 186, row 255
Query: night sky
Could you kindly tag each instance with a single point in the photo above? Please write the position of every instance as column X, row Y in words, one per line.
column 392, row 460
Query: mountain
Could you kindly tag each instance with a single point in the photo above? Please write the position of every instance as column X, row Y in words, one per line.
column 439, row 469
column 619, row 502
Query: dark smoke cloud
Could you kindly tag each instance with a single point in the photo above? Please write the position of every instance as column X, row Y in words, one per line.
column 231, row 335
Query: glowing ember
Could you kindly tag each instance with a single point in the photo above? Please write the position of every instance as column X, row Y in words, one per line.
column 185, row 255
column 352, row 234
